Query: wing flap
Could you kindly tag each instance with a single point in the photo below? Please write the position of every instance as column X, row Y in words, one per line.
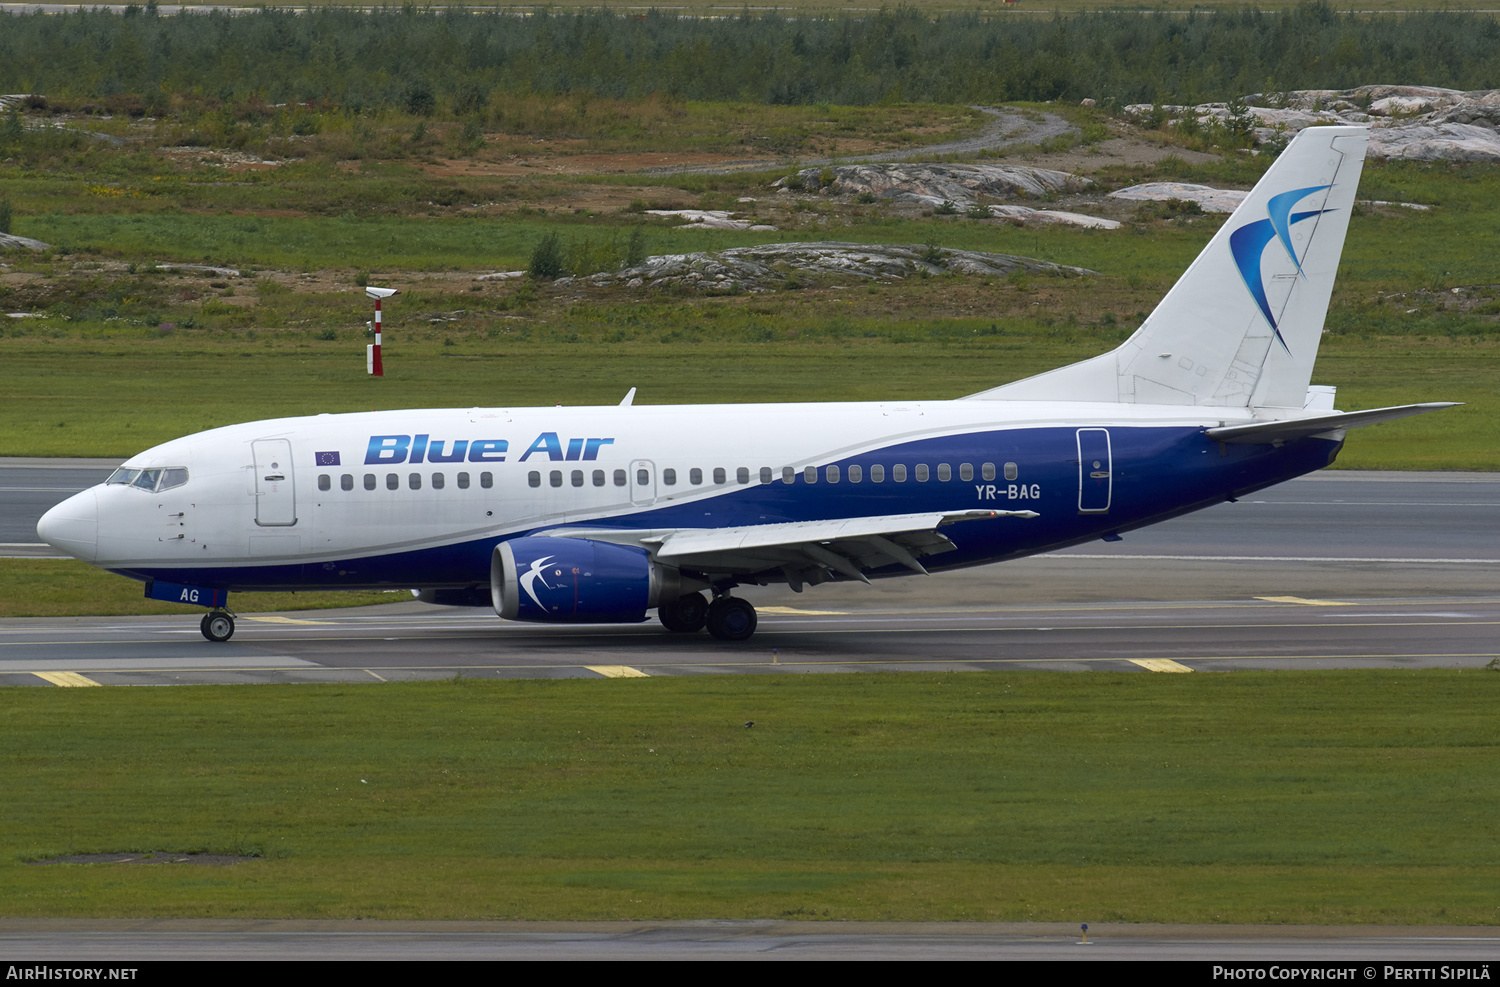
column 845, row 545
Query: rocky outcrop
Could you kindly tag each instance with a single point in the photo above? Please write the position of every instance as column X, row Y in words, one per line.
column 935, row 184
column 9, row 241
column 708, row 219
column 1025, row 214
column 1414, row 123
column 1208, row 199
column 775, row 264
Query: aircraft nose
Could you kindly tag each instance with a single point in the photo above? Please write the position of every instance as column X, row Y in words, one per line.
column 73, row 526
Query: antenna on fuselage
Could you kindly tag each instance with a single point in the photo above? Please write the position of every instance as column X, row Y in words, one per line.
column 372, row 351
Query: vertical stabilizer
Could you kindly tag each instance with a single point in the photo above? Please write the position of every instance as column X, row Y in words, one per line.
column 1241, row 327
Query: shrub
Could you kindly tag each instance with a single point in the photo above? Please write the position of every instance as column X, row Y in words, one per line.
column 547, row 258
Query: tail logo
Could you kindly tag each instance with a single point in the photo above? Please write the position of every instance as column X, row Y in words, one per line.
column 1248, row 244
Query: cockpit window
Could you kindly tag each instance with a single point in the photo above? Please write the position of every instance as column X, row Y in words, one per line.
column 149, row 480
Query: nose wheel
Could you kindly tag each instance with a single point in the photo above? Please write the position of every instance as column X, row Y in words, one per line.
column 217, row 625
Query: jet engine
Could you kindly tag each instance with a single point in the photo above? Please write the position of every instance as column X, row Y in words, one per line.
column 575, row 580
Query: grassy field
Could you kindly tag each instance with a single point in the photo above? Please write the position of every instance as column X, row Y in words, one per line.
column 87, row 397
column 68, row 588
column 1246, row 797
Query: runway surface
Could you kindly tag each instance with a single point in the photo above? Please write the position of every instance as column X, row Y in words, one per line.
column 95, row 941
column 1338, row 570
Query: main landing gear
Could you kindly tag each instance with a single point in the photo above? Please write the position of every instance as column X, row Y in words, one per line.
column 728, row 618
column 217, row 625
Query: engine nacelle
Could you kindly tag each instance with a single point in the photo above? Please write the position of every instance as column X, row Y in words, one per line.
column 574, row 580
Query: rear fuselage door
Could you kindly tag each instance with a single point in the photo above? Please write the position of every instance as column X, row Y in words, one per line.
column 1095, row 471
column 275, row 495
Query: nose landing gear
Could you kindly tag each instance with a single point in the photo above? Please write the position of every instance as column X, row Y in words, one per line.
column 217, row 625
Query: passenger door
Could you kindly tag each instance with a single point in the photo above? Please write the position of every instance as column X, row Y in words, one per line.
column 275, row 491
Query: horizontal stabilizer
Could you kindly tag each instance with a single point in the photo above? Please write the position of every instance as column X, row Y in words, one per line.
column 1299, row 428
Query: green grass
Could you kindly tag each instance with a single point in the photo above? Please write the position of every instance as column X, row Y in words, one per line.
column 1245, row 797
column 68, row 588
column 78, row 395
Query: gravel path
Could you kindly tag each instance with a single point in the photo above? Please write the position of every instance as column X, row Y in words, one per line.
column 1005, row 128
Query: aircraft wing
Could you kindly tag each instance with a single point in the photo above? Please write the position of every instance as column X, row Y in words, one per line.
column 802, row 550
column 1301, row 428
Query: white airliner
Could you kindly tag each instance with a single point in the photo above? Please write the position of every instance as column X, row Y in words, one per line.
column 597, row 515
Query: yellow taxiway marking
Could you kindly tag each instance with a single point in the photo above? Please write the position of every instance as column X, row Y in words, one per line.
column 285, row 620
column 1160, row 665
column 65, row 679
column 618, row 671
column 793, row 611
column 1304, row 601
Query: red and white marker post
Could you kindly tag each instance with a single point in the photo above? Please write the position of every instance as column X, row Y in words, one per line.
column 372, row 352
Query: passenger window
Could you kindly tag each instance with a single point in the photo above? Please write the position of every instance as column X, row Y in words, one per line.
column 415, row 481
column 810, row 474
column 1011, row 472
column 898, row 473
column 577, row 478
column 766, row 475
column 619, row 478
column 392, row 481
column 437, row 481
column 945, row 472
column 346, row 482
column 921, row 472
column 486, row 480
column 174, row 478
column 534, row 478
column 643, row 478
column 555, row 478
column 831, row 474
column 463, row 481
column 788, row 474
column 742, row 475
column 719, row 474
column 988, row 471
column 669, row 477
column 369, row 481
column 856, row 474
column 598, row 478
column 966, row 471
column 695, row 476
column 324, row 482
column 877, row 473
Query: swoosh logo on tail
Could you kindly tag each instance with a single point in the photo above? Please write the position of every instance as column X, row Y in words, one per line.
column 1248, row 245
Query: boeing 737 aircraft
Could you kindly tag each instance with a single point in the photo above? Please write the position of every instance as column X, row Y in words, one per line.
column 598, row 515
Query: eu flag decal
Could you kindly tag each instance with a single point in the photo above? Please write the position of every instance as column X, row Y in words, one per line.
column 328, row 459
